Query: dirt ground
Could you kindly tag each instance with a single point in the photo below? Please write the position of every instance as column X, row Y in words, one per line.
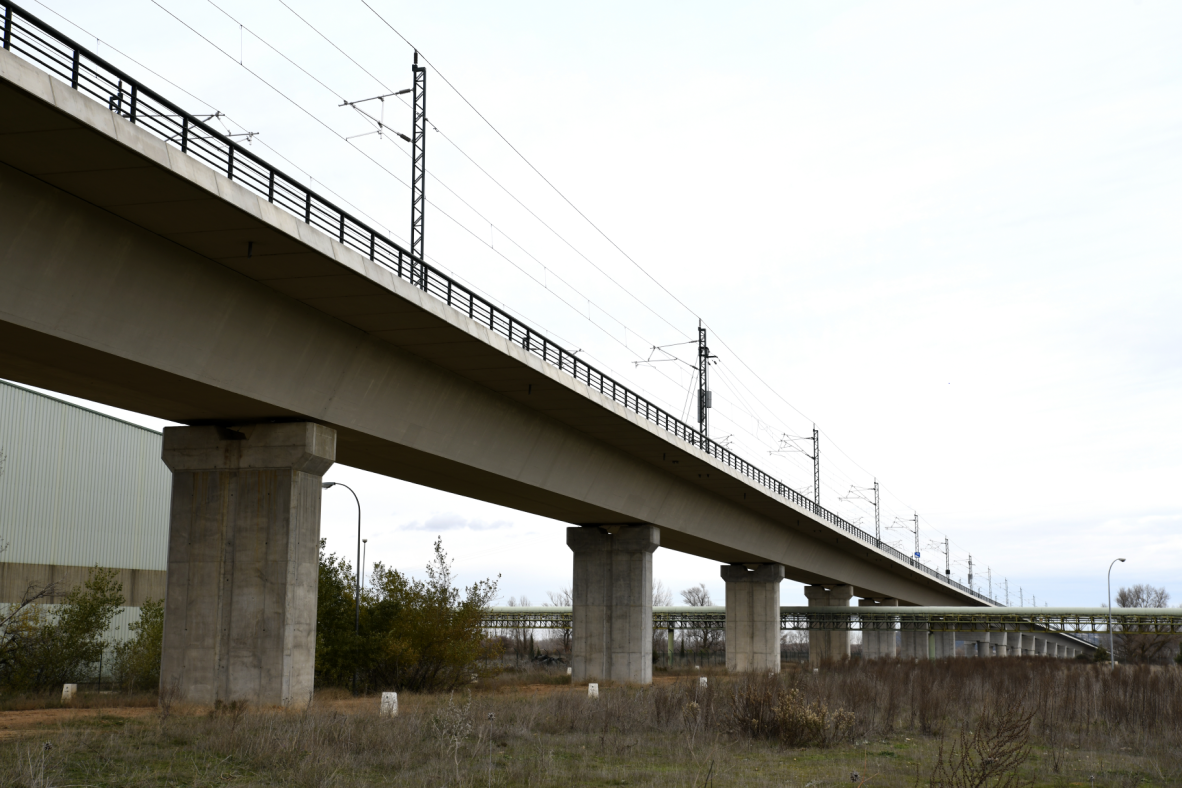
column 19, row 724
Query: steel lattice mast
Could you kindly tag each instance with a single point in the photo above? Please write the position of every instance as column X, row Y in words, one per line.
column 418, row 159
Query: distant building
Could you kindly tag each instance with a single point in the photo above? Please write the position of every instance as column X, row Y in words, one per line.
column 78, row 488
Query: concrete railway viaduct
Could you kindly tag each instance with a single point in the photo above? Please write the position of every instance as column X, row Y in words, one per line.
column 150, row 264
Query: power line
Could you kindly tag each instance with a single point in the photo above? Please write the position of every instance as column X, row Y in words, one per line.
column 530, row 164
column 487, row 174
column 461, row 225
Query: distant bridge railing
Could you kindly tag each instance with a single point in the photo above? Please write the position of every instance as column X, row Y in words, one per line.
column 1068, row 620
column 39, row 43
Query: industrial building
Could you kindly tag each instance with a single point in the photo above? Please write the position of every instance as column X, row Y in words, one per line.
column 79, row 489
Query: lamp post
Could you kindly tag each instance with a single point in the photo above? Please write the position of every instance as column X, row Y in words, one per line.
column 357, row 575
column 1111, row 653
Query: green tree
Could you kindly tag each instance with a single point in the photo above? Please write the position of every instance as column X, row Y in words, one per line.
column 415, row 634
column 64, row 645
column 137, row 661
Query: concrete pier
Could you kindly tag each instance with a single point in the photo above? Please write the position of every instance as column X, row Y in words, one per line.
column 243, row 544
column 1014, row 643
column 828, row 644
column 612, row 603
column 753, row 617
column 913, row 639
column 944, row 645
column 878, row 642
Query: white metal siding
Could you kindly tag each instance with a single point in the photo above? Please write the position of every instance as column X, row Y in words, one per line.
column 79, row 488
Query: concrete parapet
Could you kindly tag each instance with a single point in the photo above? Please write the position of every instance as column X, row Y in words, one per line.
column 612, row 603
column 753, row 617
column 243, row 544
column 828, row 644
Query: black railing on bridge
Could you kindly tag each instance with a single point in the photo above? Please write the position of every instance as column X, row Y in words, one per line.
column 27, row 36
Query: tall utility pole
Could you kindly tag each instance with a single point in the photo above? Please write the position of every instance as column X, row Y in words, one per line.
column 859, row 494
column 877, row 524
column 817, row 466
column 989, row 575
column 705, row 396
column 915, row 519
column 1007, row 592
column 418, row 163
column 947, row 560
column 970, row 571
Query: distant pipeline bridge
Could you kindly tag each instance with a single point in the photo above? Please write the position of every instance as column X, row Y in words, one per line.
column 1063, row 620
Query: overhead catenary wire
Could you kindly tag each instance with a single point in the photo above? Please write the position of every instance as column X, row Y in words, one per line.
column 478, row 237
column 490, row 176
column 444, row 213
column 433, row 204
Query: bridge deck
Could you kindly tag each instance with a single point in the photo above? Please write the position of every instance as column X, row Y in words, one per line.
column 122, row 329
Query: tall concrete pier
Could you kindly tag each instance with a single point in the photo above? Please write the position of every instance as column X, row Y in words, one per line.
column 243, row 543
column 753, row 617
column 828, row 644
column 612, row 602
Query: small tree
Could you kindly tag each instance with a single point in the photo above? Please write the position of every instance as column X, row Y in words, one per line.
column 137, row 661
column 705, row 639
column 1144, row 644
column 562, row 598
column 415, row 634
column 64, row 646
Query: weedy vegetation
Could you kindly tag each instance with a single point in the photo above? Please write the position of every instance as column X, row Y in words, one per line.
column 952, row 724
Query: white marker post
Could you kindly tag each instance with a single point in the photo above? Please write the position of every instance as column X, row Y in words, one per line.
column 389, row 704
column 702, row 681
column 68, row 692
column 592, row 690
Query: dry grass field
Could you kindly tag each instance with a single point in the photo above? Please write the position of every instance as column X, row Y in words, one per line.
column 999, row 722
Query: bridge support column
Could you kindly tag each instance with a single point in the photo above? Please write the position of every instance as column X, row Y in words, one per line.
column 612, row 603
column 828, row 644
column 913, row 639
column 878, row 640
column 984, row 645
column 999, row 641
column 945, row 645
column 243, row 545
column 753, row 617
column 1014, row 644
column 1027, row 644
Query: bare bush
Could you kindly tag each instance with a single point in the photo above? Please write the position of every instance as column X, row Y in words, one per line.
column 989, row 755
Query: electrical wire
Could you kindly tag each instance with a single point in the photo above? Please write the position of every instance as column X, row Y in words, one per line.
column 529, row 163
column 495, row 181
column 489, row 175
column 385, row 169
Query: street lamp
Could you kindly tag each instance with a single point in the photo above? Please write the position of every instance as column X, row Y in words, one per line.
column 1111, row 653
column 357, row 576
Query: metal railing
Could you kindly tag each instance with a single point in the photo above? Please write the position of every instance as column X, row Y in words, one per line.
column 932, row 619
column 39, row 43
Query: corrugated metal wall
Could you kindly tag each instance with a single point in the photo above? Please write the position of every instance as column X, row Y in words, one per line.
column 79, row 488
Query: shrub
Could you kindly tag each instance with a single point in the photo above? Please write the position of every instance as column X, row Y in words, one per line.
column 137, row 661
column 46, row 648
column 765, row 708
column 414, row 634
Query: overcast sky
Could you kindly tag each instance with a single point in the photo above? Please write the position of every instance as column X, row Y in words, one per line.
column 946, row 233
